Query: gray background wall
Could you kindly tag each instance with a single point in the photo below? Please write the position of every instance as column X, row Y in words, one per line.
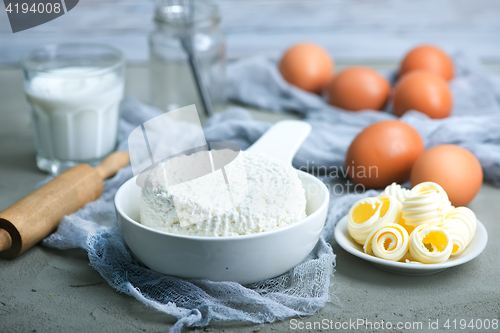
column 352, row 30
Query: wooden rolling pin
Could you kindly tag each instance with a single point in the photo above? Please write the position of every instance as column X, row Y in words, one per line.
column 37, row 215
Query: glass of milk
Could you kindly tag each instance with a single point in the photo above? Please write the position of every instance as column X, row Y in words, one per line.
column 74, row 91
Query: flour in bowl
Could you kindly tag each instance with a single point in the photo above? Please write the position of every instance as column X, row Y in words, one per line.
column 263, row 194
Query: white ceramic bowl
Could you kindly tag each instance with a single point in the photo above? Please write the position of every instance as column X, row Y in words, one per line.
column 244, row 259
column 475, row 248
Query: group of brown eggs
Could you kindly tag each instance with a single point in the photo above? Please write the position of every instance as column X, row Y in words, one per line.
column 421, row 85
column 391, row 150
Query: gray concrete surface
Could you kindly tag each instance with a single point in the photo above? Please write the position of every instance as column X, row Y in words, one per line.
column 47, row 290
column 349, row 30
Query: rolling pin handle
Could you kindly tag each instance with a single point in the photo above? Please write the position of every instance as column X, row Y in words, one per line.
column 112, row 164
column 5, row 240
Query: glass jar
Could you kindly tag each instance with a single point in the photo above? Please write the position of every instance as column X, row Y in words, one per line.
column 173, row 82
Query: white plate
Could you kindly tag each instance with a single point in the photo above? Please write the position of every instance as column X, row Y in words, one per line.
column 475, row 247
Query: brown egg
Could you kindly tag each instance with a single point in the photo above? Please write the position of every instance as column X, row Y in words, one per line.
column 454, row 168
column 428, row 58
column 383, row 153
column 358, row 88
column 424, row 92
column 307, row 66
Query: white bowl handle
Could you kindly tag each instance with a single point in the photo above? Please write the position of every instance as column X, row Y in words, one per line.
column 282, row 140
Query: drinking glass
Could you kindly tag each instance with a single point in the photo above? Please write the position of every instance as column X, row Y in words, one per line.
column 74, row 91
